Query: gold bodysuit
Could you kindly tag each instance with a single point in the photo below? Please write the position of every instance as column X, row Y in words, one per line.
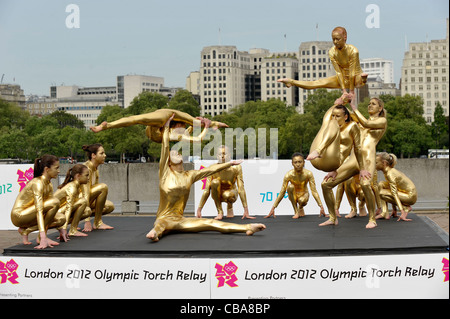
column 73, row 207
column 156, row 120
column 174, row 188
column 348, row 71
column 95, row 194
column 225, row 186
column 296, row 186
column 398, row 190
column 35, row 207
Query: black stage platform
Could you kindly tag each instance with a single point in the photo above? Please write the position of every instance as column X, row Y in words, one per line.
column 283, row 237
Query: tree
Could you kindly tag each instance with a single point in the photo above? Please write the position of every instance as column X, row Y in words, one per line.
column 439, row 127
column 185, row 102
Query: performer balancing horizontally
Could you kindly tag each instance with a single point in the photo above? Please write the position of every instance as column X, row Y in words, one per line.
column 225, row 186
column 174, row 187
column 295, row 182
column 345, row 59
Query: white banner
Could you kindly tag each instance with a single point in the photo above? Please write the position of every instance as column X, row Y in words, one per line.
column 381, row 276
column 13, row 179
column 262, row 182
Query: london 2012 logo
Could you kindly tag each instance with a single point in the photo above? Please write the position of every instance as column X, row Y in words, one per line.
column 24, row 177
column 8, row 272
column 226, row 274
column 445, row 268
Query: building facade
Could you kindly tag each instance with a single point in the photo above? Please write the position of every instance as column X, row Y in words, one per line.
column 12, row 93
column 425, row 74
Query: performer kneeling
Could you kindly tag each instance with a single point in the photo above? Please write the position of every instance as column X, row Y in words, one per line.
column 35, row 207
column 174, row 188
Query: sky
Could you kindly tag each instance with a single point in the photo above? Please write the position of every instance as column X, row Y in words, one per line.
column 40, row 47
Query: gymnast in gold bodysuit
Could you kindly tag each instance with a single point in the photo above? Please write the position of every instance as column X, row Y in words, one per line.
column 295, row 183
column 94, row 192
column 155, row 122
column 73, row 206
column 398, row 189
column 225, row 186
column 174, row 186
column 35, row 207
column 345, row 59
column 371, row 131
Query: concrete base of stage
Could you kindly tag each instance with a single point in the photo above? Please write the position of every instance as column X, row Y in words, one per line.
column 284, row 237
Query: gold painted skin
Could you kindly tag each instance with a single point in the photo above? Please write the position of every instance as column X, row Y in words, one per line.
column 372, row 130
column 155, row 121
column 225, row 186
column 73, row 207
column 345, row 60
column 398, row 189
column 174, row 185
column 295, row 183
column 95, row 194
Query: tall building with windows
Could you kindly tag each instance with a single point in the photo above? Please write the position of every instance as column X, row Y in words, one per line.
column 425, row 73
column 314, row 64
column 378, row 67
column 130, row 86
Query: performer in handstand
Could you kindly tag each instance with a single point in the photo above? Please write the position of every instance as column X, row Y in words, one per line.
column 174, row 186
column 345, row 59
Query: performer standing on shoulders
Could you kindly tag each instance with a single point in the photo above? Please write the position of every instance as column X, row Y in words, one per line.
column 345, row 59
column 295, row 182
column 94, row 192
column 35, row 206
column 174, row 187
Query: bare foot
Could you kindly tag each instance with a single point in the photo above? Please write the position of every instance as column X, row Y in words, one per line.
column 218, row 217
column 87, row 226
column 104, row 227
column 371, row 225
column 403, row 217
column 98, row 128
column 313, row 155
column 255, row 228
column 351, row 214
column 152, row 235
column 362, row 211
column 329, row 222
column 25, row 240
column 230, row 213
column 78, row 234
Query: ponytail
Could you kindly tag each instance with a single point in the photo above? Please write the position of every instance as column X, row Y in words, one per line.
column 43, row 162
column 70, row 176
column 91, row 149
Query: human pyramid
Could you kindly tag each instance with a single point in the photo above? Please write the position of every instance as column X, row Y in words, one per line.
column 344, row 147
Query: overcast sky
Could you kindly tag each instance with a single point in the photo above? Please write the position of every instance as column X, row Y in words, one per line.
column 164, row 38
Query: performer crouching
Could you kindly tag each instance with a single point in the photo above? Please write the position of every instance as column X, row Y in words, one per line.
column 35, row 207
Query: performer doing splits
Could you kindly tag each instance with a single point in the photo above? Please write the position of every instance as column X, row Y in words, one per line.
column 155, row 122
column 295, row 182
column 345, row 59
column 35, row 206
column 95, row 192
column 398, row 189
column 225, row 186
column 73, row 207
column 174, row 188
